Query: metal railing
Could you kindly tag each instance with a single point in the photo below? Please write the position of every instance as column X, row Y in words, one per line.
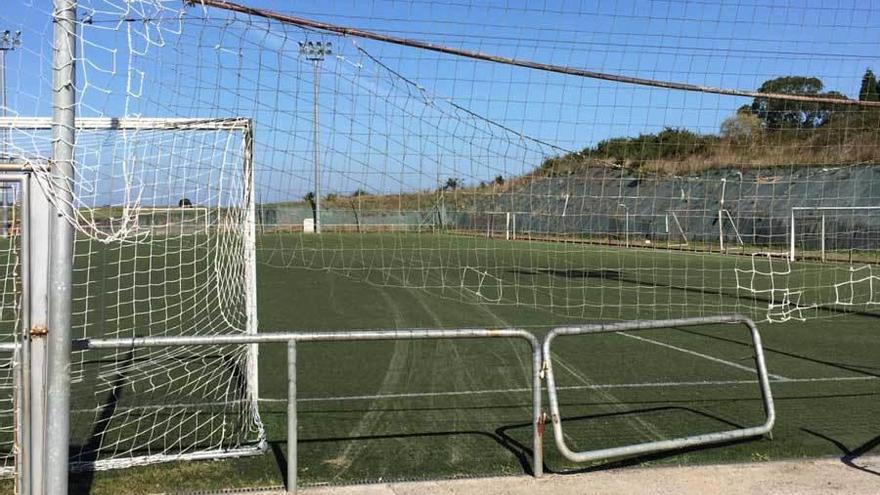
column 661, row 445
column 542, row 368
column 291, row 339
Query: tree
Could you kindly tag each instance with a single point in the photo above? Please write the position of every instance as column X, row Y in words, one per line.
column 782, row 114
column 744, row 126
column 184, row 203
column 499, row 180
column 358, row 193
column 310, row 199
column 870, row 89
column 452, row 184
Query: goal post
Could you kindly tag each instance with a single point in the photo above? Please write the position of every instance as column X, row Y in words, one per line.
column 685, row 227
column 821, row 231
column 133, row 177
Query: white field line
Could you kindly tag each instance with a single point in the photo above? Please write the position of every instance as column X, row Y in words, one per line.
column 416, row 395
column 704, row 356
column 652, row 430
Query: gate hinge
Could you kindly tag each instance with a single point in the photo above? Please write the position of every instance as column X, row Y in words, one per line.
column 39, row 331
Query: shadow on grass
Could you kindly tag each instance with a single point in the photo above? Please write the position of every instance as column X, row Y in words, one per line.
column 505, row 437
column 855, row 368
column 849, row 456
column 522, row 456
column 87, row 454
column 625, row 462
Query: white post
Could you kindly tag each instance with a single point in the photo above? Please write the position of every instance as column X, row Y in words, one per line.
column 822, row 238
column 721, row 216
column 513, row 227
column 791, row 237
column 507, row 227
column 626, row 226
column 250, row 269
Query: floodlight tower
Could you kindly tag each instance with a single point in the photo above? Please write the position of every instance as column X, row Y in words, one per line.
column 8, row 41
column 316, row 51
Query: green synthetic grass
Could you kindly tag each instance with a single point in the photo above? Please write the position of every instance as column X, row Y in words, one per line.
column 351, row 281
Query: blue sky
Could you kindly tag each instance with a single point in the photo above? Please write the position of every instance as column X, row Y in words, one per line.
column 380, row 134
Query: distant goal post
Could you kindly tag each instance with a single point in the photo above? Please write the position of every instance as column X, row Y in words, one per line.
column 821, row 231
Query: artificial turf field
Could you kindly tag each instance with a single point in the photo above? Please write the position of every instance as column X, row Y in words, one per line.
column 439, row 409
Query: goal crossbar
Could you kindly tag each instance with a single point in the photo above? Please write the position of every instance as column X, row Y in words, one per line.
column 792, row 225
column 129, row 123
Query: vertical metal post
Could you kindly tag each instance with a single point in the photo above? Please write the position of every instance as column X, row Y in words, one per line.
column 316, row 51
column 625, row 223
column 791, row 237
column 38, row 221
column 61, row 258
column 537, row 414
column 4, row 154
column 291, row 417
column 317, row 150
column 822, row 238
column 23, row 429
column 507, row 227
column 513, row 228
column 4, row 212
column 8, row 41
column 721, row 216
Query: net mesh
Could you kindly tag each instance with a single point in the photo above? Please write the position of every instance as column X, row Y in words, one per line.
column 10, row 325
column 515, row 177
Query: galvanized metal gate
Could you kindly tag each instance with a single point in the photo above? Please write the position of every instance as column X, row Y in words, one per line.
column 14, row 356
column 666, row 444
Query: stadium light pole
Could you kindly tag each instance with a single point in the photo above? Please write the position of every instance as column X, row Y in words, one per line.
column 315, row 51
column 8, row 41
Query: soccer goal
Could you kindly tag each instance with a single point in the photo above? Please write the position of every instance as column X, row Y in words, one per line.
column 702, row 229
column 835, row 233
column 182, row 266
column 491, row 224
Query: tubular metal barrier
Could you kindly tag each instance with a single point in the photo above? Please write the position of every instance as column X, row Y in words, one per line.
column 661, row 445
column 291, row 340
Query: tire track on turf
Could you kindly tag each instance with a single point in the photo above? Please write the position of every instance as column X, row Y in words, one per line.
column 618, row 405
column 390, row 383
column 463, row 377
column 522, row 365
column 501, row 321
